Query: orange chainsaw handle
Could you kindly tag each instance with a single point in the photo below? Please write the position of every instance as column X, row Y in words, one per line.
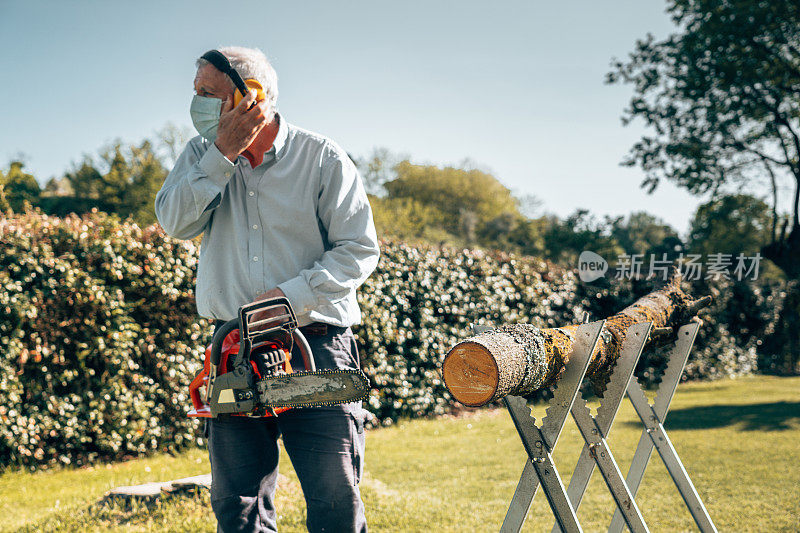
column 199, row 380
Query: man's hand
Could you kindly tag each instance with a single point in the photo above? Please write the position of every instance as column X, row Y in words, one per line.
column 239, row 126
column 272, row 293
column 269, row 313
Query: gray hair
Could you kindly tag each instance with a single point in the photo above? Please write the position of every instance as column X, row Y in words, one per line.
column 251, row 63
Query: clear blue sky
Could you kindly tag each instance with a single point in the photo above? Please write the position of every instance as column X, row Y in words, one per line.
column 515, row 87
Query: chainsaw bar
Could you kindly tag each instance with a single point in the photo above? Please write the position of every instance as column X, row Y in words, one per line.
column 319, row 388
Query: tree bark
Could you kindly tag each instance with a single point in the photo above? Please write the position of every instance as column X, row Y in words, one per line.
column 520, row 359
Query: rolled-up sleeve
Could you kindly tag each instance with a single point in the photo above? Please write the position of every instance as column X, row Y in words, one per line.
column 192, row 190
column 345, row 213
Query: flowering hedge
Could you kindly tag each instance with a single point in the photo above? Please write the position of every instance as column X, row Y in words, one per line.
column 99, row 335
column 100, row 338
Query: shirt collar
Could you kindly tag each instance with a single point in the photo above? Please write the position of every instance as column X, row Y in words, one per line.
column 283, row 133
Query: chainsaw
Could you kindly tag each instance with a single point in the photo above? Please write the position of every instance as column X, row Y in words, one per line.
column 247, row 369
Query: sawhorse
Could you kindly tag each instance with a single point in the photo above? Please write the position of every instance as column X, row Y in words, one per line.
column 540, row 441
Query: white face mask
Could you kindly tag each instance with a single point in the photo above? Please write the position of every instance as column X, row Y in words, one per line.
column 205, row 113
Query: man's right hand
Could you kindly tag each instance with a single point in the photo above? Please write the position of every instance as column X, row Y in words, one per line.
column 239, row 126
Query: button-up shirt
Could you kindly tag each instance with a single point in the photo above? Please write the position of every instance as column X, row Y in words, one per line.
column 299, row 221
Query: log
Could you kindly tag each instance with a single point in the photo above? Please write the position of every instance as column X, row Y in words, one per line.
column 521, row 359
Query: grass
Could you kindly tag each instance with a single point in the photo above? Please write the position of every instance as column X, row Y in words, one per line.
column 738, row 440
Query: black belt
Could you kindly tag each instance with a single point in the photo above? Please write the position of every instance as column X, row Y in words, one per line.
column 315, row 328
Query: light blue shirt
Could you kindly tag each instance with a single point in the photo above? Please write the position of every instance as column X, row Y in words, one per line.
column 299, row 221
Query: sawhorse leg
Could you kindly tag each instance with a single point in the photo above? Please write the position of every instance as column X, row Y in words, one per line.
column 654, row 434
column 595, row 430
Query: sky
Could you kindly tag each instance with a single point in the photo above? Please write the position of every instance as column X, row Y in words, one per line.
column 517, row 88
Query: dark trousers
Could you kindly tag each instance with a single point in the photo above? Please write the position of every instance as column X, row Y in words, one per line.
column 325, row 445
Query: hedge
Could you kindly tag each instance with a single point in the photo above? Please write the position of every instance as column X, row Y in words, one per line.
column 100, row 338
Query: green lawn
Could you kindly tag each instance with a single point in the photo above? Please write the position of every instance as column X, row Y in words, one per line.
column 739, row 440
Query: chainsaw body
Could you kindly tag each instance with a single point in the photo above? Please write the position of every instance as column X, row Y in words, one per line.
column 244, row 351
column 247, row 369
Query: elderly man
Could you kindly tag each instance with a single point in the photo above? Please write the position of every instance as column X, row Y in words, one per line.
column 283, row 212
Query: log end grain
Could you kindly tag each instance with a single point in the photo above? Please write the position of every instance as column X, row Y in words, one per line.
column 470, row 373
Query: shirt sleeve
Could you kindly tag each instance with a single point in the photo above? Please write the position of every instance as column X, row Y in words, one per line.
column 192, row 191
column 345, row 214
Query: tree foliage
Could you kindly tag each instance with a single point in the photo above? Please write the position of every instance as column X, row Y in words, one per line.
column 377, row 168
column 643, row 233
column 722, row 96
column 466, row 198
column 170, row 142
column 457, row 205
column 18, row 187
column 123, row 180
column 408, row 219
column 729, row 225
column 566, row 239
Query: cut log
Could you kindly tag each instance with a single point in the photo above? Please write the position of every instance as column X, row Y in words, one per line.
column 520, row 359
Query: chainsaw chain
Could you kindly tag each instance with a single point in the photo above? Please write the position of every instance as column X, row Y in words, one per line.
column 362, row 384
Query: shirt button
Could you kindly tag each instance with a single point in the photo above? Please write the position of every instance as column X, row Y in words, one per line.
column 255, row 258
column 252, row 193
column 255, row 226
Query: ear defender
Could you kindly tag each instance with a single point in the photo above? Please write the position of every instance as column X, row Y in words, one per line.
column 221, row 63
column 252, row 85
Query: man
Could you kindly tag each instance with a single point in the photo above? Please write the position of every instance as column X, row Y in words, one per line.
column 283, row 212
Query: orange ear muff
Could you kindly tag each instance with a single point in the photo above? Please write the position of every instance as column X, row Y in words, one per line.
column 253, row 85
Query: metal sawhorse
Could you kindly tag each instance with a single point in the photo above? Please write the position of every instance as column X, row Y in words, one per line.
column 539, row 441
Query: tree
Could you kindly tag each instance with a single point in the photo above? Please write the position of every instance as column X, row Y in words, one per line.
column 722, row 96
column 730, row 224
column 408, row 219
column 643, row 233
column 122, row 180
column 467, row 199
column 18, row 187
column 565, row 240
column 515, row 233
column 147, row 174
column 55, row 186
column 87, row 181
column 378, row 168
column 458, row 205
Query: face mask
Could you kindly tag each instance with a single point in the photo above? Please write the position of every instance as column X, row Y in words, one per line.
column 205, row 116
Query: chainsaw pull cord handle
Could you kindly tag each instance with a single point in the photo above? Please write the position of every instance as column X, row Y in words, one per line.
column 219, row 338
column 305, row 350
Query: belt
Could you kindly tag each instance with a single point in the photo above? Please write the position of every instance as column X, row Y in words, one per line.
column 315, row 328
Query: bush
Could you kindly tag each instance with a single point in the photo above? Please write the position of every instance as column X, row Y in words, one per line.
column 99, row 336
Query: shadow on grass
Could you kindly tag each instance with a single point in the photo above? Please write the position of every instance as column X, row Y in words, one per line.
column 776, row 416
